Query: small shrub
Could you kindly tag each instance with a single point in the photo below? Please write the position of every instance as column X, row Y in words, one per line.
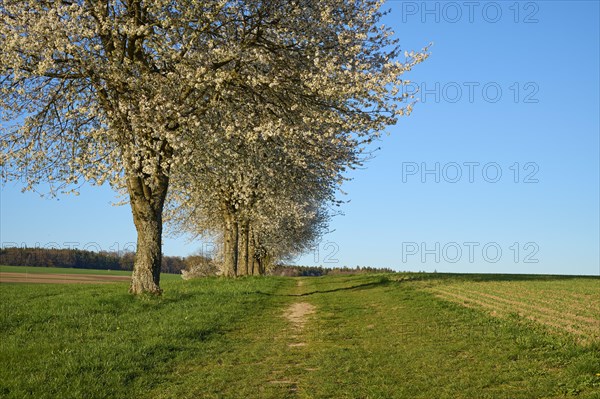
column 202, row 268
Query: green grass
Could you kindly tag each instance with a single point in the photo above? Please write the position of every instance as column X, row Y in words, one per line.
column 72, row 341
column 397, row 340
column 370, row 337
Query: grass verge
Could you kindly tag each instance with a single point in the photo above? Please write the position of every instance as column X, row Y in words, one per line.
column 369, row 337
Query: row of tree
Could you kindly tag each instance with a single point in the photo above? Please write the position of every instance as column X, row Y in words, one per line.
column 81, row 259
column 240, row 116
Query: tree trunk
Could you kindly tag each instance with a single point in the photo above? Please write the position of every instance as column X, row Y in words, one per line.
column 252, row 265
column 146, row 207
column 259, row 257
column 261, row 266
column 230, row 247
column 266, row 264
column 242, row 269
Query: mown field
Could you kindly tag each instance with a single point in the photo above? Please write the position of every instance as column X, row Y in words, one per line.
column 64, row 270
column 567, row 305
column 364, row 336
column 57, row 275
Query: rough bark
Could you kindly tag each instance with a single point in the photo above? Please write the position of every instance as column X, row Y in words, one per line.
column 266, row 264
column 230, row 247
column 252, row 264
column 259, row 257
column 146, row 207
column 260, row 254
column 242, row 269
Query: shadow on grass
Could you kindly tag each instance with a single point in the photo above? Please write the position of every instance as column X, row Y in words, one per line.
column 408, row 277
column 382, row 281
column 203, row 334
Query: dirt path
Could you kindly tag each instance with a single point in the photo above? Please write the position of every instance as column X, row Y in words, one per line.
column 297, row 315
column 298, row 312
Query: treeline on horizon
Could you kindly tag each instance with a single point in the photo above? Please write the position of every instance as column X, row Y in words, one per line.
column 108, row 260
column 82, row 259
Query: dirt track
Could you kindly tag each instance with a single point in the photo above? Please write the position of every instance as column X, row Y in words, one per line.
column 298, row 312
column 60, row 278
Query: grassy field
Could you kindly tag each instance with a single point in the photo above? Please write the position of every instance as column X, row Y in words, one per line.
column 364, row 336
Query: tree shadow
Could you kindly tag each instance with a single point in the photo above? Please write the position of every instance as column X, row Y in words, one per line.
column 380, row 282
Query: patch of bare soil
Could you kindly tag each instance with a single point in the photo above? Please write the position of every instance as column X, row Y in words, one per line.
column 298, row 312
column 59, row 278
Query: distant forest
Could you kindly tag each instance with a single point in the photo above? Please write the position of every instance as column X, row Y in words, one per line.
column 81, row 259
column 106, row 260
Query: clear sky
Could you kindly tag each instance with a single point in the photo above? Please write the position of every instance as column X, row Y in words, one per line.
column 497, row 169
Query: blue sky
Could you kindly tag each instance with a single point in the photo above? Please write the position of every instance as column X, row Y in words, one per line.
column 510, row 86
